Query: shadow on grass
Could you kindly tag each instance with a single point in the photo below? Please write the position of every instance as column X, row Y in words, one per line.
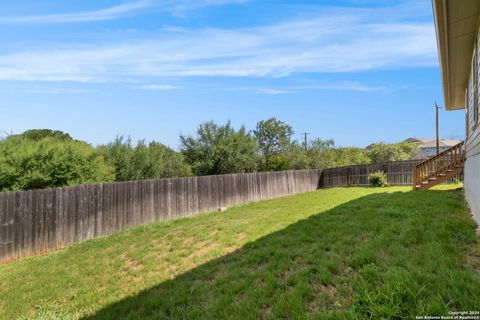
column 388, row 255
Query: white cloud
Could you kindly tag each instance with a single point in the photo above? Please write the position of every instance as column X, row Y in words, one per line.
column 256, row 90
column 176, row 7
column 96, row 15
column 345, row 86
column 52, row 90
column 181, row 7
column 346, row 41
column 274, row 91
column 160, row 87
column 314, row 86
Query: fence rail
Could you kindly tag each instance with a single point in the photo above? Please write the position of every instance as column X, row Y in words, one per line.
column 399, row 173
column 37, row 221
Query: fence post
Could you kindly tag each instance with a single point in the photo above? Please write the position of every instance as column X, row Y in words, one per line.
column 54, row 218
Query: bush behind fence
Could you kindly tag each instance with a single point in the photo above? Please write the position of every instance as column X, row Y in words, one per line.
column 37, row 221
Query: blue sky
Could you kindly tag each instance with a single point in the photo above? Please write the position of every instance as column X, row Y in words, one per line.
column 357, row 71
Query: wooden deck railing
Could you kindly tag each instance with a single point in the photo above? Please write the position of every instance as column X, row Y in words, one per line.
column 439, row 165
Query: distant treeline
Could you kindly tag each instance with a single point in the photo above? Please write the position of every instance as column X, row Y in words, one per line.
column 46, row 158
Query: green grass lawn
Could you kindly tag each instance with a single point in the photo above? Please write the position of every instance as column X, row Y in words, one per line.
column 343, row 253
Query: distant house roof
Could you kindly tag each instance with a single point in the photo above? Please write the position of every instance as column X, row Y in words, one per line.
column 432, row 143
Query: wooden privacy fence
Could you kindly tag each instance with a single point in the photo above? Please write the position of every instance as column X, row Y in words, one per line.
column 399, row 173
column 36, row 221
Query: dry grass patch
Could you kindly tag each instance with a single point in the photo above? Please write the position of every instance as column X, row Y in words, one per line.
column 346, row 253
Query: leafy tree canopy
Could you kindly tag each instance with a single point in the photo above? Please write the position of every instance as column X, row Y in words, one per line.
column 49, row 162
column 220, row 149
column 384, row 152
column 41, row 158
column 323, row 154
column 38, row 134
column 143, row 161
column 273, row 137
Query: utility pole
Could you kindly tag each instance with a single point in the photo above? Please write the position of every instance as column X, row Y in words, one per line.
column 305, row 134
column 436, row 125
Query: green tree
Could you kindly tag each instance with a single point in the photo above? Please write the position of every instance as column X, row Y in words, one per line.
column 384, row 152
column 49, row 162
column 38, row 134
column 143, row 161
column 156, row 160
column 220, row 149
column 312, row 157
column 274, row 140
column 348, row 156
column 119, row 154
column 321, row 145
column 320, row 155
column 296, row 157
column 323, row 154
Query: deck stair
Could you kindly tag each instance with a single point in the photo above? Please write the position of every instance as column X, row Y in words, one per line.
column 440, row 168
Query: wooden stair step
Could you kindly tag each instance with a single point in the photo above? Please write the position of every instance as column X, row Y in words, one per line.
column 440, row 168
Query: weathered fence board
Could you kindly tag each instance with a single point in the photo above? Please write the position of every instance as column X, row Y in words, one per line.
column 399, row 173
column 37, row 221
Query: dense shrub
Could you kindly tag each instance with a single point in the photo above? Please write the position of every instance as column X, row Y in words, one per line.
column 40, row 158
column 143, row 161
column 322, row 154
column 220, row 149
column 384, row 152
column 378, row 179
column 49, row 162
column 39, row 134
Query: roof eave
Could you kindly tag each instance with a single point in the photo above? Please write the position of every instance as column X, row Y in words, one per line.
column 440, row 19
column 456, row 24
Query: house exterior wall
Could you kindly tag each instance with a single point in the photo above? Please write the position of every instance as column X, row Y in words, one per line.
column 472, row 185
column 472, row 136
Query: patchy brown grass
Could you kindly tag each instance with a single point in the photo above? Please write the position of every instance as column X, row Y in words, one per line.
column 332, row 254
